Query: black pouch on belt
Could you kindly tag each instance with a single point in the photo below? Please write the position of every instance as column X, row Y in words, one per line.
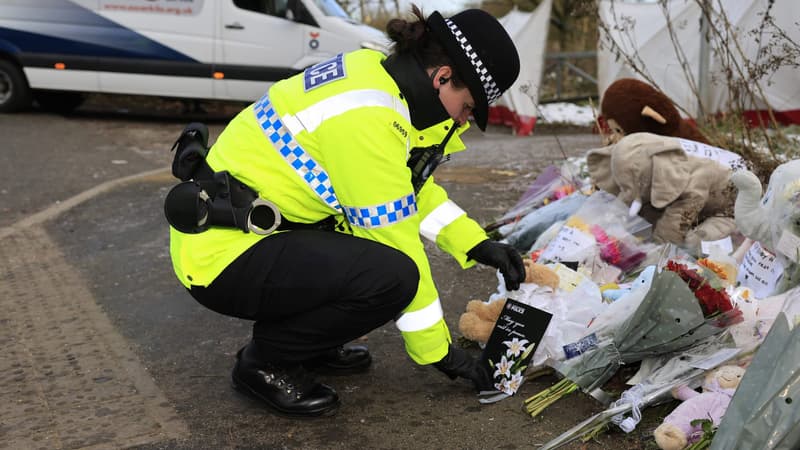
column 206, row 198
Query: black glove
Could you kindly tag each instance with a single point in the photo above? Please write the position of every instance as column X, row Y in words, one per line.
column 503, row 257
column 459, row 363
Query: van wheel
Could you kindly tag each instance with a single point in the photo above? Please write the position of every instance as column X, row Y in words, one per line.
column 59, row 102
column 14, row 91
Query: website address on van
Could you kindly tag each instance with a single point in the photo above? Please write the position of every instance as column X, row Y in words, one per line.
column 178, row 11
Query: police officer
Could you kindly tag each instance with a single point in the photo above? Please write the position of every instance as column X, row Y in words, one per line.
column 344, row 151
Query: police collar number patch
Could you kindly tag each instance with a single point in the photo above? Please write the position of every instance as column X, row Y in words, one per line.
column 324, row 72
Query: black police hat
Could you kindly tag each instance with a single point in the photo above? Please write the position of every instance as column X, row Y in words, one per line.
column 482, row 52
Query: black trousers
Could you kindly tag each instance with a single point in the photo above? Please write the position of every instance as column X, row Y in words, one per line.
column 310, row 291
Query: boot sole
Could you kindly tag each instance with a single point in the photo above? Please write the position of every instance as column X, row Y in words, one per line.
column 251, row 393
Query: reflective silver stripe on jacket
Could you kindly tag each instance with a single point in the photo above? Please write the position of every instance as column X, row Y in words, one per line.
column 442, row 216
column 421, row 319
column 313, row 116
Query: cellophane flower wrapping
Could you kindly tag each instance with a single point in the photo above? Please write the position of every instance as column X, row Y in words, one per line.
column 552, row 184
column 673, row 316
column 601, row 229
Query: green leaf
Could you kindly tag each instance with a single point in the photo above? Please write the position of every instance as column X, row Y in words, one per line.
column 700, row 422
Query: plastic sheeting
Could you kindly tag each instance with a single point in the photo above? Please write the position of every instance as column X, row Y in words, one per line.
column 649, row 37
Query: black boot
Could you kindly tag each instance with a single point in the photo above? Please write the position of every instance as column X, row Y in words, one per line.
column 287, row 391
column 341, row 361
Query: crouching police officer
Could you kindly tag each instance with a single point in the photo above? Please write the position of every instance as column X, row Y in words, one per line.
column 306, row 214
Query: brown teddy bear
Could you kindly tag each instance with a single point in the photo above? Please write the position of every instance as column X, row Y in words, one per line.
column 478, row 321
column 631, row 106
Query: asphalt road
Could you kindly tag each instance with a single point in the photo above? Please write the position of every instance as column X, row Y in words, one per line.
column 167, row 358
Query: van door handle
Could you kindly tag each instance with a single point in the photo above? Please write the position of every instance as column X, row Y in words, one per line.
column 234, row 26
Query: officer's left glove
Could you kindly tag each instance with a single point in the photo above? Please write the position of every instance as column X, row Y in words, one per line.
column 502, row 257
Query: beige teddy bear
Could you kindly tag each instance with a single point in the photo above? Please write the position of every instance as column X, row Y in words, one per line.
column 478, row 321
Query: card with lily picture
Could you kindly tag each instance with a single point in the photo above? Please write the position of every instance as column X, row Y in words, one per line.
column 518, row 331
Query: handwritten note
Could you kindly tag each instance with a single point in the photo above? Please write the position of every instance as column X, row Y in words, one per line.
column 760, row 270
column 570, row 244
column 722, row 156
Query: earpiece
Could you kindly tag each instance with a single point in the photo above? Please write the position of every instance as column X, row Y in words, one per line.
column 443, row 80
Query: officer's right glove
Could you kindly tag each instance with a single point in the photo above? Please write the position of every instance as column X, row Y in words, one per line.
column 459, row 363
column 503, row 257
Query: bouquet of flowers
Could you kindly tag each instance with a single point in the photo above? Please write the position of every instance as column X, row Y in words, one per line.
column 713, row 298
column 552, row 184
column 595, row 231
column 657, row 376
column 652, row 384
column 672, row 316
column 523, row 233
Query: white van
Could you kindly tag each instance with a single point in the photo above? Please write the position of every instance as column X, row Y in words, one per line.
column 57, row 50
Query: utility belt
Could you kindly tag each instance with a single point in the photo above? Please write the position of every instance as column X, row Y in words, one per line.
column 206, row 199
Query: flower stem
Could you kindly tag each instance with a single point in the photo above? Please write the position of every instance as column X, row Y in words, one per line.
column 537, row 403
column 594, row 432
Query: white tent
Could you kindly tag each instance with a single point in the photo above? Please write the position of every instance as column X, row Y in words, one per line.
column 649, row 36
column 517, row 107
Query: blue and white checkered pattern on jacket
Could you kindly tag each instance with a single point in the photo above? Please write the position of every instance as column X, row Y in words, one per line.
column 382, row 215
column 319, row 181
column 283, row 141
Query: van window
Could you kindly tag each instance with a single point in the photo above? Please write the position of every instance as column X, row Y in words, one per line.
column 331, row 8
column 272, row 7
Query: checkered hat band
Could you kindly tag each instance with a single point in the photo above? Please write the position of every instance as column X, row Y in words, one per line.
column 492, row 91
column 305, row 166
column 382, row 215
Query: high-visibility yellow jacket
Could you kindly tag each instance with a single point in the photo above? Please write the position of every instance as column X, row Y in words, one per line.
column 335, row 140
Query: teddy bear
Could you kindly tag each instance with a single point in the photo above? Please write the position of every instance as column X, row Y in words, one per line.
column 631, row 106
column 687, row 198
column 719, row 385
column 478, row 321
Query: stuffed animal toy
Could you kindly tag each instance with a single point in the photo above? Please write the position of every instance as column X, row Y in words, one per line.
column 765, row 219
column 687, row 198
column 614, row 292
column 632, row 106
column 676, row 431
column 540, row 274
column 478, row 321
column 774, row 219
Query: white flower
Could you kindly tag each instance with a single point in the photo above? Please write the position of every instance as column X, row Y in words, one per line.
column 514, row 383
column 503, row 367
column 515, row 347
